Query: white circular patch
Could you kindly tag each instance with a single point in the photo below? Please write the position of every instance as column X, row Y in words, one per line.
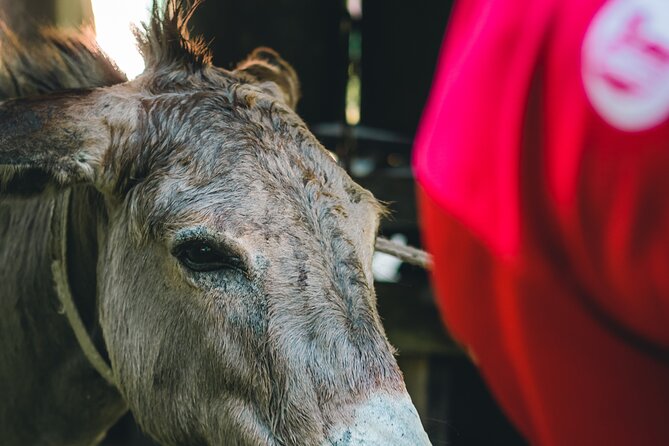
column 626, row 63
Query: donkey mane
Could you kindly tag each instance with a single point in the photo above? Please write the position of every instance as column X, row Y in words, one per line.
column 165, row 42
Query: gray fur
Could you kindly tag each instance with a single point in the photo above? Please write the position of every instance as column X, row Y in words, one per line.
column 276, row 352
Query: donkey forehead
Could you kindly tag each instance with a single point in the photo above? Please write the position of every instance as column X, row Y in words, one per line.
column 244, row 159
column 217, row 126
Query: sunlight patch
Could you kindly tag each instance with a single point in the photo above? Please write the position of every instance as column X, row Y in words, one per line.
column 113, row 27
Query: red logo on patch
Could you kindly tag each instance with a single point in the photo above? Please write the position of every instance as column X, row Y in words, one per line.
column 626, row 63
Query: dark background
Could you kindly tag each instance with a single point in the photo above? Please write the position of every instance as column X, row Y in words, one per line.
column 391, row 52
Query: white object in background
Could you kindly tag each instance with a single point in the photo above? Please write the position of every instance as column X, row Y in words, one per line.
column 386, row 268
column 354, row 9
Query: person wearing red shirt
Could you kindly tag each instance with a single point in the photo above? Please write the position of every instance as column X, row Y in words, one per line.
column 543, row 168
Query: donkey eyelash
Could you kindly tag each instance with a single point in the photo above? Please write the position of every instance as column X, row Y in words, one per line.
column 200, row 256
column 201, row 252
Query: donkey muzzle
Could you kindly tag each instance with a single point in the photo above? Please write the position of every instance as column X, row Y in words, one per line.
column 383, row 420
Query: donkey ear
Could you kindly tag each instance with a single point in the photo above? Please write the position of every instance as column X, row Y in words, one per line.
column 51, row 139
column 265, row 67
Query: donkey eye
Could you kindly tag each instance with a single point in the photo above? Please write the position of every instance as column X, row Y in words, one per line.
column 203, row 257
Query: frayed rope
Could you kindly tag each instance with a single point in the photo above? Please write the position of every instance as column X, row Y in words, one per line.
column 407, row 254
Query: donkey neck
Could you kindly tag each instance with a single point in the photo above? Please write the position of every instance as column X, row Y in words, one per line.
column 36, row 340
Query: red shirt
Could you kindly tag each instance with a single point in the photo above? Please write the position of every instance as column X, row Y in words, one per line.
column 543, row 164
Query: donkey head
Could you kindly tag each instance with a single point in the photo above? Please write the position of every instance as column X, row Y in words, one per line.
column 234, row 287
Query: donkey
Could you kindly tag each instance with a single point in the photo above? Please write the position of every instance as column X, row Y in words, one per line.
column 218, row 257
